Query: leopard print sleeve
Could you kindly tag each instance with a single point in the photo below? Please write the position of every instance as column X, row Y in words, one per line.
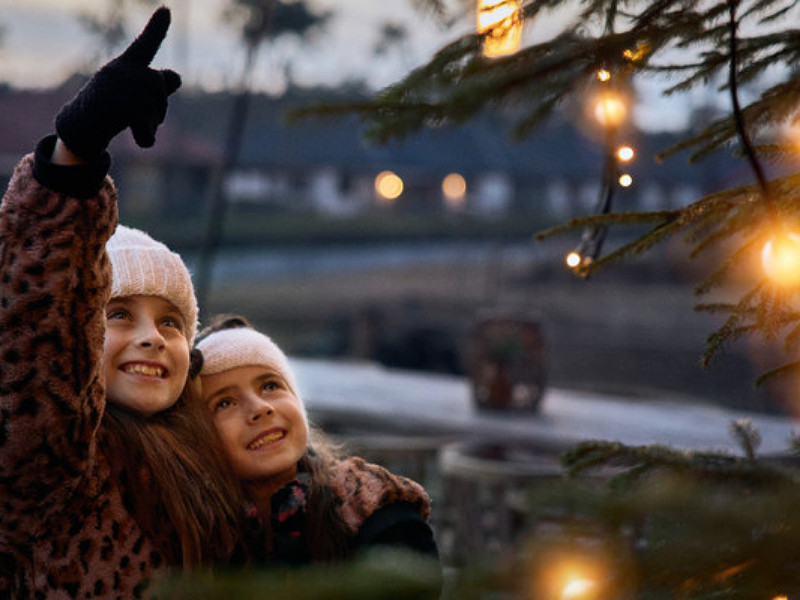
column 54, row 280
column 365, row 487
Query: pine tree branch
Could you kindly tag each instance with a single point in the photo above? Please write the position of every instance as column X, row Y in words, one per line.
column 791, row 368
column 594, row 454
column 748, row 437
column 776, row 104
column 738, row 118
column 629, row 218
column 792, row 338
column 766, row 5
column 717, row 277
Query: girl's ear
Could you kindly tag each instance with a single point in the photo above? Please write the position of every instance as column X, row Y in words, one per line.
column 195, row 363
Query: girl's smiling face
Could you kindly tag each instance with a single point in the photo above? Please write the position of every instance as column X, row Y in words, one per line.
column 260, row 420
column 145, row 353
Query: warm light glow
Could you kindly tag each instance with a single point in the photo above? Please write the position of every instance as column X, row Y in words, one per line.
column 571, row 573
column 625, row 153
column 642, row 49
column 577, row 588
column 501, row 23
column 780, row 258
column 454, row 188
column 610, row 109
column 781, row 598
column 573, row 259
column 388, row 185
column 603, row 75
column 625, row 180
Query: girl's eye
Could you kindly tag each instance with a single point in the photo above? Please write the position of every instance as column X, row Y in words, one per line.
column 270, row 385
column 222, row 404
column 172, row 322
column 116, row 313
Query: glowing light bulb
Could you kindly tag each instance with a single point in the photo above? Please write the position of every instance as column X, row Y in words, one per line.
column 780, row 258
column 501, row 23
column 577, row 588
column 573, row 259
column 388, row 185
column 625, row 153
column 625, row 180
column 636, row 54
column 610, row 110
column 603, row 75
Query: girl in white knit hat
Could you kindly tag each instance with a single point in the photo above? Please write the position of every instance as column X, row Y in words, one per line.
column 107, row 476
column 306, row 503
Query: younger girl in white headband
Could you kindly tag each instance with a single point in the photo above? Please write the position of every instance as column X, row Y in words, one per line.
column 307, row 505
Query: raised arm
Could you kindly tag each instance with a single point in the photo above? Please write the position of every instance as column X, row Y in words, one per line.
column 55, row 218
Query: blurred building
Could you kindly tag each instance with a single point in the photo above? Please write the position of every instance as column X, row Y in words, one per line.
column 327, row 166
column 173, row 178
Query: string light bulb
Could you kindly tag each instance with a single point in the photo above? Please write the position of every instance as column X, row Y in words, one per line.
column 638, row 53
column 625, row 180
column 500, row 21
column 780, row 258
column 603, row 75
column 573, row 259
column 625, row 153
column 610, row 109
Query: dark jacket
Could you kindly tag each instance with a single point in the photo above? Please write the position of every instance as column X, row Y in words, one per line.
column 378, row 508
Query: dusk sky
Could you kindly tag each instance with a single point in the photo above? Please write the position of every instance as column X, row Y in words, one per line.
column 43, row 42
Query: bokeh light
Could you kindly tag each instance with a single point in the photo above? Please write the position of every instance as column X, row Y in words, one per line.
column 638, row 53
column 454, row 189
column 573, row 259
column 625, row 153
column 388, row 185
column 571, row 574
column 780, row 259
column 501, row 23
column 625, row 180
column 577, row 587
column 610, row 109
column 603, row 75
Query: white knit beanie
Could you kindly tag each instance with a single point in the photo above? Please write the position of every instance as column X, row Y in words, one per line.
column 245, row 347
column 142, row 266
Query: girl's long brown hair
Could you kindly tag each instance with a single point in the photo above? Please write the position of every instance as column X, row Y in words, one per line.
column 175, row 480
column 329, row 538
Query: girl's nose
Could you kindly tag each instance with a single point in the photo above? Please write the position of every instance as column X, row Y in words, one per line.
column 150, row 337
column 259, row 410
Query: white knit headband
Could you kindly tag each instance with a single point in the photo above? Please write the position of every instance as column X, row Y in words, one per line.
column 243, row 347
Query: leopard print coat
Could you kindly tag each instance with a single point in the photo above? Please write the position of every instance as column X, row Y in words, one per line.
column 64, row 529
column 375, row 506
column 364, row 488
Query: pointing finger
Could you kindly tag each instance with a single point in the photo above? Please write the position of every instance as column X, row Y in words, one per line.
column 144, row 48
column 172, row 81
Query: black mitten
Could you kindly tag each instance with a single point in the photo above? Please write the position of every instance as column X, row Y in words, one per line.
column 126, row 92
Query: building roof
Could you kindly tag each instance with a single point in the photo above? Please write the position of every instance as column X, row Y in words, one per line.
column 28, row 115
